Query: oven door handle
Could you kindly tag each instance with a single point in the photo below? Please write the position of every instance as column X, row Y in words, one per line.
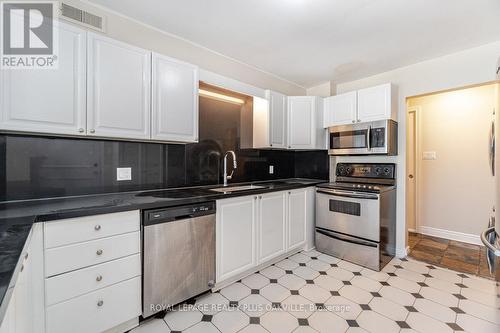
column 485, row 239
column 348, row 194
column 347, row 239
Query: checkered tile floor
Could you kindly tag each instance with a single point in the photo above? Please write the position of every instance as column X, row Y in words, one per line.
column 313, row 292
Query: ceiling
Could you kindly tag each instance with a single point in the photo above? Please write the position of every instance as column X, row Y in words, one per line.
column 313, row 41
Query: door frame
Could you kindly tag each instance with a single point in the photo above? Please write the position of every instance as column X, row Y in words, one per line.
column 417, row 111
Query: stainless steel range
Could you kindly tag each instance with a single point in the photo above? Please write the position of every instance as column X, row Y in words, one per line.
column 356, row 214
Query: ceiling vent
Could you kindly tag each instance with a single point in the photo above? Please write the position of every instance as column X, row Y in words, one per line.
column 82, row 17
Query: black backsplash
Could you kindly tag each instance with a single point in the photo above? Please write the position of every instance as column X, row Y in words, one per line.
column 38, row 167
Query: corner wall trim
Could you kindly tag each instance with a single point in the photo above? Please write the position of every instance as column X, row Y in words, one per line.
column 402, row 252
column 452, row 235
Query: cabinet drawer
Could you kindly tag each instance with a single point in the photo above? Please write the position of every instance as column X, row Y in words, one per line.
column 65, row 286
column 97, row 311
column 81, row 229
column 71, row 257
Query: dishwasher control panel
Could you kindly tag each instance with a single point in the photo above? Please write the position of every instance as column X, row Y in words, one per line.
column 176, row 213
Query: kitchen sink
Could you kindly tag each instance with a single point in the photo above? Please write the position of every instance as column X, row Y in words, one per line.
column 229, row 189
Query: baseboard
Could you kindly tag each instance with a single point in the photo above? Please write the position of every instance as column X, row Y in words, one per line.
column 412, row 230
column 448, row 234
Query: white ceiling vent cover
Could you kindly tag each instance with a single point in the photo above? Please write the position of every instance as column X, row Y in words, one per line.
column 82, row 17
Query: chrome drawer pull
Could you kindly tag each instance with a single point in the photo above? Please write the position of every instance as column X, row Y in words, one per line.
column 97, row 227
column 98, row 278
column 100, row 303
column 99, row 252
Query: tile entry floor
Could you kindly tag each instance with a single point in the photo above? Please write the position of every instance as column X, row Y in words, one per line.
column 459, row 256
column 313, row 292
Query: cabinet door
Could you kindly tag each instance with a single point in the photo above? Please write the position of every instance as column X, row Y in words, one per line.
column 277, row 119
column 175, row 100
column 297, row 218
column 235, row 236
column 48, row 100
column 8, row 325
column 301, row 122
column 375, row 103
column 118, row 89
column 340, row 109
column 271, row 226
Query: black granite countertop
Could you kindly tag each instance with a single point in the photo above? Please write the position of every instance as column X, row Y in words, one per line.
column 16, row 218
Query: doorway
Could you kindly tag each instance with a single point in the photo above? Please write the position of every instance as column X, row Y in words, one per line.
column 449, row 185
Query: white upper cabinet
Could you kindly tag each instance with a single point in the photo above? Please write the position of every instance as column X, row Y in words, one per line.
column 376, row 103
column 48, row 100
column 305, row 123
column 175, row 100
column 118, row 89
column 340, row 109
column 277, row 119
column 370, row 104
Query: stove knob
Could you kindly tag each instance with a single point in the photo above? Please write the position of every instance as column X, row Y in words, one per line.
column 370, row 187
column 348, row 170
column 364, row 186
column 359, row 186
column 387, row 171
column 378, row 170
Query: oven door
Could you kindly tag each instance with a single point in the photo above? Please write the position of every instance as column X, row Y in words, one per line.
column 349, row 140
column 349, row 212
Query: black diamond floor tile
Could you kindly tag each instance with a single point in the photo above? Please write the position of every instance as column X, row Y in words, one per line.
column 403, row 324
column 255, row 320
column 455, row 326
column 352, row 323
column 206, row 318
column 303, row 322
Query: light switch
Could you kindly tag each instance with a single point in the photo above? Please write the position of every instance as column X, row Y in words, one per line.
column 123, row 174
column 429, row 155
column 271, row 169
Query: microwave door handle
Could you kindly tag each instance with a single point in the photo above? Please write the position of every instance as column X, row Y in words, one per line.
column 369, row 138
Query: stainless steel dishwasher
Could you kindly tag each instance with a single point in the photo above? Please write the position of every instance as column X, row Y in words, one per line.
column 178, row 254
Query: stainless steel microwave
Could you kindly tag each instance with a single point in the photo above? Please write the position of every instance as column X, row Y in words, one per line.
column 370, row 138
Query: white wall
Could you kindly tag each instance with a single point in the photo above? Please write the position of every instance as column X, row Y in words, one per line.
column 323, row 90
column 142, row 35
column 464, row 68
column 456, row 190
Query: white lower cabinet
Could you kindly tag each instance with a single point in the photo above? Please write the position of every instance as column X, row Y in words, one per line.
column 297, row 213
column 25, row 311
column 254, row 230
column 97, row 311
column 271, row 225
column 235, row 236
column 93, row 284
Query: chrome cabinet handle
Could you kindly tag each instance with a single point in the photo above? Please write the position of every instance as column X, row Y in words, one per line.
column 97, row 227
column 99, row 252
column 100, row 303
column 26, row 256
column 81, row 130
column 98, row 278
column 92, row 131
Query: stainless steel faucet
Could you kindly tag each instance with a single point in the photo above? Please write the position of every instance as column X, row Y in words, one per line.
column 235, row 165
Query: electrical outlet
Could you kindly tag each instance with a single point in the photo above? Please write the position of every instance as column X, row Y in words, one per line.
column 123, row 174
column 271, row 169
